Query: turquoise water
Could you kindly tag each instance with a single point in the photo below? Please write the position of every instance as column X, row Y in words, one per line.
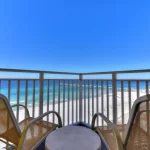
column 54, row 92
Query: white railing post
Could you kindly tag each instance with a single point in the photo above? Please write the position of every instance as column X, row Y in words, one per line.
column 41, row 93
column 114, row 93
column 80, row 98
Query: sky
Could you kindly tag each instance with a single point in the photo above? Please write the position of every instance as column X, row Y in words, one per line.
column 75, row 35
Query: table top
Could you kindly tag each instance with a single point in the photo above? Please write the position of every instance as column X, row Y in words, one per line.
column 73, row 138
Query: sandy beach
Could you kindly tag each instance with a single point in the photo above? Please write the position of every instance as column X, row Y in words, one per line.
column 87, row 109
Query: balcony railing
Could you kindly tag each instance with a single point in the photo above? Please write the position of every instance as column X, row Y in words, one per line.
column 77, row 96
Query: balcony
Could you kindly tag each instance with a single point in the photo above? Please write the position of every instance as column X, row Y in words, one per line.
column 75, row 96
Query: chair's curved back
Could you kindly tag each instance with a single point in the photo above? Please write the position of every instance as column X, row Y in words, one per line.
column 137, row 134
column 9, row 129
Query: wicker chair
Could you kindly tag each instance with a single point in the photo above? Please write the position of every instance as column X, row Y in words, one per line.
column 135, row 135
column 27, row 134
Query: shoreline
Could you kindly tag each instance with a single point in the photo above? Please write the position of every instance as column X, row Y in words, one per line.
column 75, row 112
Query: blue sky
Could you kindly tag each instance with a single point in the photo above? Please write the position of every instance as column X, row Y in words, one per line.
column 75, row 35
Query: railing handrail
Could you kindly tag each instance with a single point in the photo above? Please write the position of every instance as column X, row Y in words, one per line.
column 36, row 71
column 74, row 73
column 118, row 72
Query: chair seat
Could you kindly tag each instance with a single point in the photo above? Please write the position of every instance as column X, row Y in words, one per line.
column 36, row 132
column 139, row 139
column 108, row 136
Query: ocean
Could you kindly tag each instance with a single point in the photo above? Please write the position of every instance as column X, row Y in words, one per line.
column 52, row 92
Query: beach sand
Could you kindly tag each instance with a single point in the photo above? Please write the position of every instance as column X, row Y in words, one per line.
column 87, row 109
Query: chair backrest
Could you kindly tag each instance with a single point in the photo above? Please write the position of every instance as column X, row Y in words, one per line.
column 9, row 129
column 137, row 134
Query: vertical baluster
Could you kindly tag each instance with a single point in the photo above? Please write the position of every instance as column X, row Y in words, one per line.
column 26, row 93
column 114, row 90
column 107, row 89
column 59, row 97
column 53, row 100
column 122, row 100
column 88, row 102
column 68, row 101
column 137, row 88
column 9, row 89
column 80, row 98
column 41, row 93
column 18, row 94
column 72, row 101
column 63, row 102
column 97, row 103
column 33, row 108
column 147, row 90
column 48, row 99
column 129, row 95
column 92, row 98
column 102, row 100
column 147, row 107
column 84, row 101
column 77, row 88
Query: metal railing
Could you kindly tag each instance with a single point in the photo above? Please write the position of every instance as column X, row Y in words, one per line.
column 75, row 99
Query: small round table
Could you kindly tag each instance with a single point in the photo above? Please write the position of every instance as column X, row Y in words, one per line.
column 73, row 138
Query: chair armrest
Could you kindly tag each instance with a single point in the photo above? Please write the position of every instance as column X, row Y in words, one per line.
column 33, row 121
column 45, row 114
column 109, row 123
column 26, row 109
column 112, row 126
